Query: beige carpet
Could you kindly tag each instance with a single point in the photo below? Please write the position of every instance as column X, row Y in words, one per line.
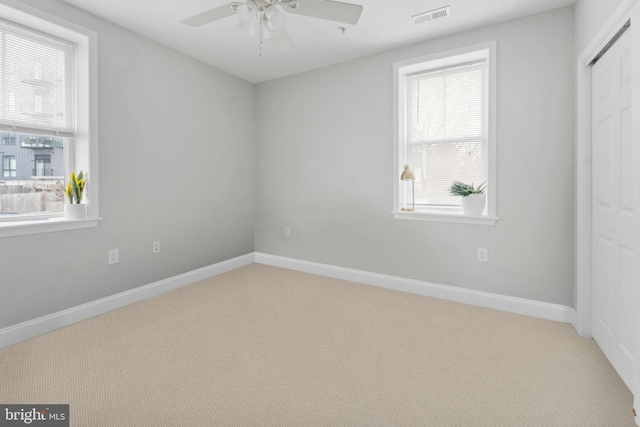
column 263, row 346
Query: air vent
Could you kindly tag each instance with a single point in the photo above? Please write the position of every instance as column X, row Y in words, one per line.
column 431, row 15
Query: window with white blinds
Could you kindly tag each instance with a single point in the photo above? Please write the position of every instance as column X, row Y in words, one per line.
column 36, row 82
column 445, row 132
column 48, row 119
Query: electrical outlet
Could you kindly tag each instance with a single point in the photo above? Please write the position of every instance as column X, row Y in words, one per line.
column 483, row 254
column 287, row 231
column 155, row 248
column 114, row 256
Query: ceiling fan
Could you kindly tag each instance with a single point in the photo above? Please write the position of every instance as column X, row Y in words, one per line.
column 268, row 17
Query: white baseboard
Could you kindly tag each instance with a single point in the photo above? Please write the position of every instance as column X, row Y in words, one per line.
column 556, row 312
column 41, row 325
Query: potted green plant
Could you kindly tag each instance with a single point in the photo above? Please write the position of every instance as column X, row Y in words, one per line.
column 473, row 198
column 74, row 191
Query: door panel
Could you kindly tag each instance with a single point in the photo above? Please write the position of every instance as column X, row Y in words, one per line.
column 602, row 168
column 613, row 208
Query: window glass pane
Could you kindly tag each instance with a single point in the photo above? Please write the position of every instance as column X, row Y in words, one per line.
column 32, row 175
column 446, row 104
column 437, row 165
column 36, row 80
column 445, row 130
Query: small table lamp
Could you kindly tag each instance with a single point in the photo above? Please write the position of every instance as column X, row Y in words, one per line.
column 407, row 175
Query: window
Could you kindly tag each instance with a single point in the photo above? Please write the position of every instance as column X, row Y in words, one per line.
column 48, row 125
column 9, row 167
column 43, row 165
column 8, row 138
column 445, row 131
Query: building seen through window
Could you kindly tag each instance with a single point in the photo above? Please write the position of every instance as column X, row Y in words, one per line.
column 32, row 177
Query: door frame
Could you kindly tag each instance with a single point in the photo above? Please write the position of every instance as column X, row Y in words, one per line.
column 635, row 101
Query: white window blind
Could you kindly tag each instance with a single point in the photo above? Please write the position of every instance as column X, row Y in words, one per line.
column 36, row 82
column 446, row 129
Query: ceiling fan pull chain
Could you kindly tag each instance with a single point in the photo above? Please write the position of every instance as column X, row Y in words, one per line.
column 260, row 17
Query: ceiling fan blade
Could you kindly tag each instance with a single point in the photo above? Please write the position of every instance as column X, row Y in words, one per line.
column 211, row 15
column 282, row 43
column 326, row 9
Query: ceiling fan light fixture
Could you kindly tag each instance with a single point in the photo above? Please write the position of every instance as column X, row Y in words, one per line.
column 268, row 32
column 249, row 29
column 248, row 13
column 275, row 18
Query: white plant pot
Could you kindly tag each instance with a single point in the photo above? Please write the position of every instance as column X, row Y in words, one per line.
column 474, row 204
column 75, row 211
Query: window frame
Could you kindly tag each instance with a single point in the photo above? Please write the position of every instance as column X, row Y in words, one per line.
column 81, row 152
column 438, row 60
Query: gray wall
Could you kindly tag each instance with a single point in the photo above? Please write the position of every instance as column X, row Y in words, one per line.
column 176, row 164
column 319, row 159
column 324, row 168
column 591, row 15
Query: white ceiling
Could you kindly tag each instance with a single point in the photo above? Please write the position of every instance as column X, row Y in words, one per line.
column 384, row 25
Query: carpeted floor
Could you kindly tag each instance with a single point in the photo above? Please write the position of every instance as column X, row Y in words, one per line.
column 263, row 346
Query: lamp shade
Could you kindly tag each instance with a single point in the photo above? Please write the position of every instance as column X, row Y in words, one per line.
column 248, row 13
column 275, row 19
column 268, row 32
column 407, row 174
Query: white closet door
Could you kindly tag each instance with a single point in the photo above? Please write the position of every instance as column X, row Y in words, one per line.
column 613, row 210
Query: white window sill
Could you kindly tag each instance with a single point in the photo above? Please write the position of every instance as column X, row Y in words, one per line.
column 22, row 228
column 452, row 217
